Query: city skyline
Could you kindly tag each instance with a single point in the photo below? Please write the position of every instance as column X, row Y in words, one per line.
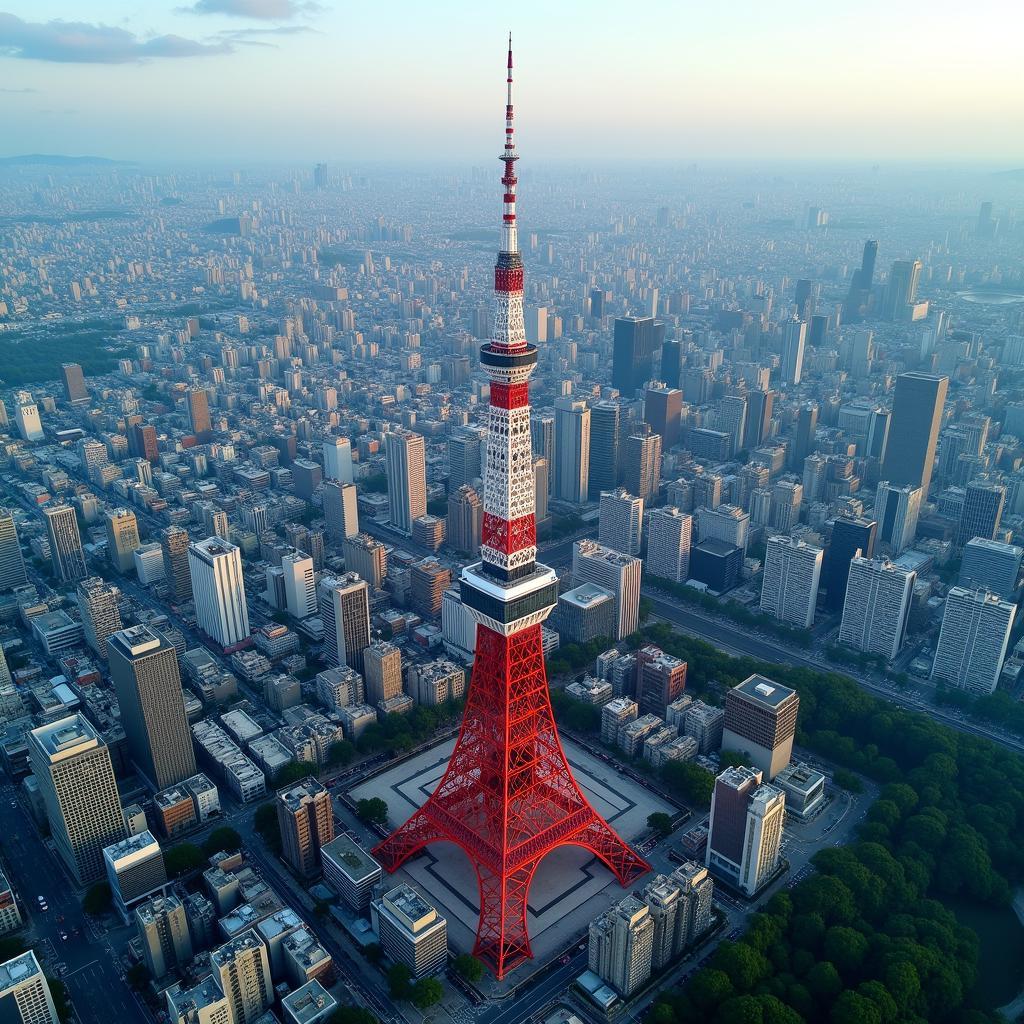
column 711, row 84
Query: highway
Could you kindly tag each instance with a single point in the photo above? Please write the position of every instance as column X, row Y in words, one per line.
column 732, row 639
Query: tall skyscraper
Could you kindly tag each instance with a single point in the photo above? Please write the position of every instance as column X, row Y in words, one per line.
column 877, row 606
column 760, row 723
column 901, row 289
column 671, row 363
column 794, row 337
column 669, row 532
column 508, row 794
column 367, row 558
column 383, row 670
column 663, row 405
column 896, row 512
column 341, row 510
column 983, row 511
column 572, row 450
column 745, row 829
column 306, row 820
column 914, row 431
column 792, row 571
column 299, row 585
column 144, row 670
column 71, row 764
column 660, row 679
column 142, row 442
column 620, row 522
column 973, row 640
column 345, row 609
column 643, row 462
column 122, row 539
column 197, row 404
column 101, row 617
column 12, row 562
column 66, row 553
column 851, row 536
column 605, row 428
column 26, row 416
column 174, row 541
column 637, row 340
column 760, row 406
column 615, row 572
column 803, row 439
column 25, row 993
column 219, row 591
column 405, row 459
column 74, row 383
column 991, row 565
column 621, row 943
column 162, row 927
column 338, row 460
column 464, row 447
column 241, row 968
column 858, row 300
column 465, row 520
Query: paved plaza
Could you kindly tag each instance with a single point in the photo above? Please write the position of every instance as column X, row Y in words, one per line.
column 570, row 888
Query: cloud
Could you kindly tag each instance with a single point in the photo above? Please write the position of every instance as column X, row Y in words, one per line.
column 261, row 10
column 258, row 36
column 79, row 42
column 19, row 92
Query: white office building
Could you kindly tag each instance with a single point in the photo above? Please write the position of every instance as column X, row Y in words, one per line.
column 219, row 591
column 338, row 459
column 615, row 572
column 668, row 543
column 405, row 462
column 789, row 590
column 877, row 606
column 896, row 511
column 621, row 520
column 973, row 640
column 299, row 585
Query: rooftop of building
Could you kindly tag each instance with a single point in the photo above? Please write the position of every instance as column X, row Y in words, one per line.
column 234, row 947
column 137, row 641
column 296, row 795
column 143, row 842
column 350, row 858
column 67, row 736
column 156, row 907
column 762, row 690
column 799, row 776
column 587, row 595
column 198, row 997
column 18, row 970
column 714, row 546
column 407, row 902
column 739, row 776
column 308, row 1002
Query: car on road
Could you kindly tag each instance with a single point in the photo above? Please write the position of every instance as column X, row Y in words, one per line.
column 64, row 936
column 44, row 907
column 40, row 899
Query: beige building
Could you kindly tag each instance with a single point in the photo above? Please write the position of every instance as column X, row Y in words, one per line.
column 306, row 819
column 621, row 945
column 97, row 602
column 241, row 969
column 383, row 669
column 411, row 931
column 122, row 538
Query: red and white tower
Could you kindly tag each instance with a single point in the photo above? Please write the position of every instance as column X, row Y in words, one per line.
column 508, row 797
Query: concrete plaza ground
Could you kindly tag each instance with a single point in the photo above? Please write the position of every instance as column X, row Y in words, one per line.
column 571, row 887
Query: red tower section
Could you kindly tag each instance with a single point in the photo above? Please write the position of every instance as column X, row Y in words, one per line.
column 508, row 797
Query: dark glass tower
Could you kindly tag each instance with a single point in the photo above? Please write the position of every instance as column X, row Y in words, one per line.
column 850, row 536
column 914, row 430
column 637, row 339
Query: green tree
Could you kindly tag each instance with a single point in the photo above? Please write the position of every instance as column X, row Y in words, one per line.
column 426, row 993
column 183, row 858
column 295, row 771
column 98, row 899
column 824, row 982
column 266, row 823
column 373, row 810
column 660, row 823
column 137, row 976
column 846, row 948
column 348, row 1014
column 853, row 1008
column 709, row 987
column 744, row 965
column 732, row 759
column 340, row 753
column 469, row 967
column 224, row 838
column 400, row 981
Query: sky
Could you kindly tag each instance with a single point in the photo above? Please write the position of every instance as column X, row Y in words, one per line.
column 298, row 81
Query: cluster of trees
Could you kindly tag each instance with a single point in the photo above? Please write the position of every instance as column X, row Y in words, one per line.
column 999, row 707
column 183, row 859
column 374, row 811
column 33, row 356
column 224, row 839
column 295, row 771
column 423, row 994
column 572, row 657
column 575, row 714
column 469, row 967
column 866, row 940
column 859, row 659
column 399, row 733
column 267, row 825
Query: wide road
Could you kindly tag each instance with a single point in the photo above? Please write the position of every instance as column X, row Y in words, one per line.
column 93, row 975
column 734, row 640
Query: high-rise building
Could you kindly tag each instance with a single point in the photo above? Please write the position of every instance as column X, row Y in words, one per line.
column 163, row 932
column 727, row 523
column 760, row 405
column 803, row 439
column 792, row 571
column 636, row 341
column 787, row 497
column 101, row 617
column 175, row 541
column 668, row 543
column 464, row 448
column 197, row 404
column 12, row 562
column 859, row 297
column 350, row 871
column 465, row 520
column 615, row 572
column 851, row 536
column 991, row 565
column 306, row 478
column 26, row 416
column 142, row 442
column 760, row 723
column 877, row 606
column 122, row 538
column 405, row 460
column 745, row 829
column 983, row 511
column 973, row 640
column 621, row 944
column 204, row 1003
column 572, row 450
column 383, row 670
column 135, row 869
column 660, row 679
column 794, row 337
column 74, row 383
column 241, row 968
column 338, row 460
column 507, row 789
column 428, row 580
column 605, row 428
column 306, row 820
column 914, row 431
column 896, row 512
column 341, row 511
column 144, row 670
column 663, row 406
column 541, row 488
column 299, row 585
column 345, row 609
column 72, row 767
column 642, row 454
column 219, row 591
column 621, row 518
column 367, row 558
column 693, row 917
column 901, row 289
column 411, row 931
column 25, row 993
column 66, row 553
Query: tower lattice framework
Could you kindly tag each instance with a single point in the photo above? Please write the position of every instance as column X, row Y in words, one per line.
column 508, row 796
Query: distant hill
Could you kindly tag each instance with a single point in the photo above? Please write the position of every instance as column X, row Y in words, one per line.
column 58, row 160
